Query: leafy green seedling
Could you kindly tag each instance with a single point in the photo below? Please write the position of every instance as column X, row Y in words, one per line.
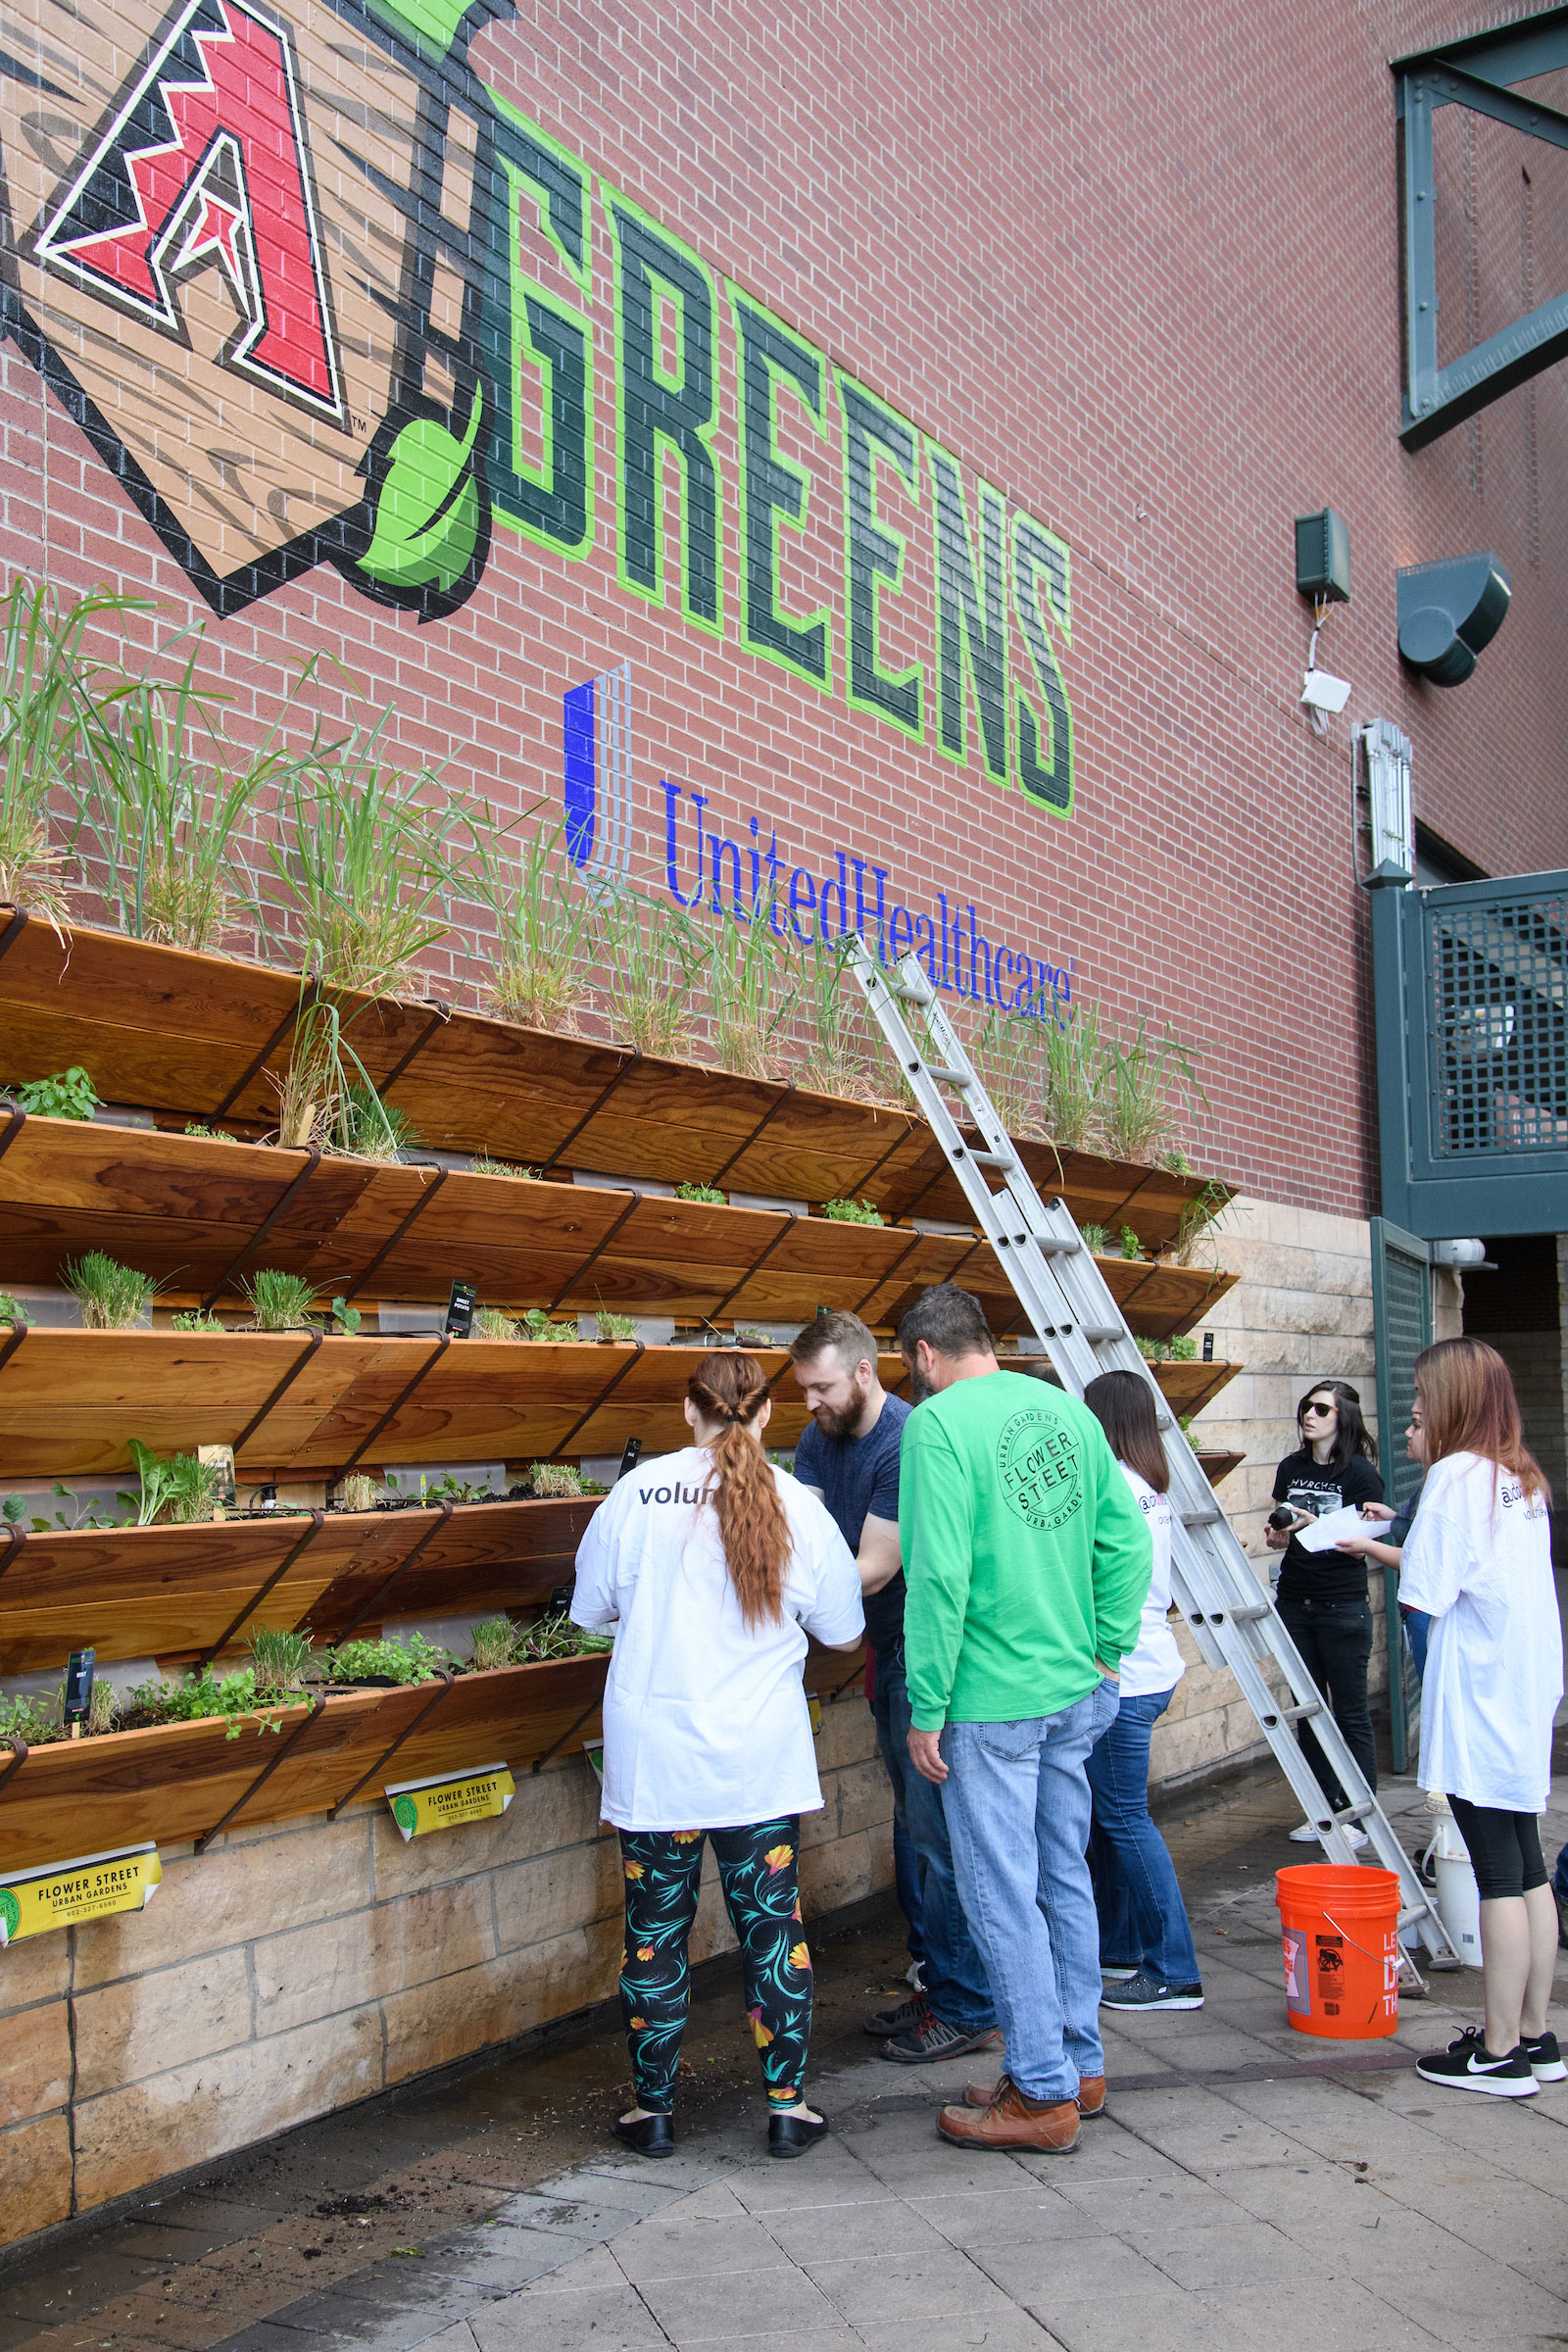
column 1131, row 1245
column 854, row 1212
column 348, row 1318
column 616, row 1327
column 1097, row 1238
column 702, row 1192
column 67, row 1095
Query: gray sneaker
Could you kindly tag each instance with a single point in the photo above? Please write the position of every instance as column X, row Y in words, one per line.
column 929, row 2040
column 1147, row 1993
column 883, row 2022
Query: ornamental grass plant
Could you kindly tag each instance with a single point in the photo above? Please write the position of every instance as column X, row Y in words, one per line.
column 753, row 981
column 653, row 958
column 278, row 1301
column 546, row 928
column 52, row 701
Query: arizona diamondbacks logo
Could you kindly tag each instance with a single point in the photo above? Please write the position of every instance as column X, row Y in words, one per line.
column 253, row 256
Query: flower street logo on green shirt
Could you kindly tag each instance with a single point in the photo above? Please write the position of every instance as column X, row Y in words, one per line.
column 1042, row 1474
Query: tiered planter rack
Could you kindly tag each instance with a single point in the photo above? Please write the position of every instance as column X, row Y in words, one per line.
column 187, row 1036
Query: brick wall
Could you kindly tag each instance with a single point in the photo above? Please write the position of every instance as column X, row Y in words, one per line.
column 1141, row 277
column 291, row 1971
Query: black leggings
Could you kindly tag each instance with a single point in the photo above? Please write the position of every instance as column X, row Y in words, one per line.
column 1504, row 1848
column 760, row 1873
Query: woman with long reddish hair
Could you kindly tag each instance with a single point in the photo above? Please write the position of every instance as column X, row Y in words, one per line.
column 714, row 1567
column 1479, row 1559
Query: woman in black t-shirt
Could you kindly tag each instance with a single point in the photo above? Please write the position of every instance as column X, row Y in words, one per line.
column 1322, row 1595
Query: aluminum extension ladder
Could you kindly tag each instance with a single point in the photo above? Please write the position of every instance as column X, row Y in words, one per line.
column 1084, row 1332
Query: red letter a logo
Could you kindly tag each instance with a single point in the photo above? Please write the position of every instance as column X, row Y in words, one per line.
column 205, row 161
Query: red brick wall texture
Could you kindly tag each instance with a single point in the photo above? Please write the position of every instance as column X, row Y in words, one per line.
column 880, row 385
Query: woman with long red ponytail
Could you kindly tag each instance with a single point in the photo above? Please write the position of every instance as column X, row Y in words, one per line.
column 1479, row 1558
column 713, row 1567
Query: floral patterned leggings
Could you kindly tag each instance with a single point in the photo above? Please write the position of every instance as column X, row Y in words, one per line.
column 759, row 1873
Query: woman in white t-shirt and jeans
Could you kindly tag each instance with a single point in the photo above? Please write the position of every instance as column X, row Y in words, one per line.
column 1479, row 1559
column 714, row 1567
column 1145, row 1939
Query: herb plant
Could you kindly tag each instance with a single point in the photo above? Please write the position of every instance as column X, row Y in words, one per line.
column 555, row 1637
column 1097, row 1239
column 369, row 1129
column 346, row 1318
column 612, row 1326
column 853, row 1213
column 50, row 723
column 702, row 1192
column 1148, row 1083
column 413, row 1659
column 1131, row 1245
column 112, row 1296
column 556, row 1480
column 1072, row 1077
column 538, row 1326
column 182, row 1486
column 195, row 1318
column 753, row 991
column 494, row 1323
column 279, row 1301
column 279, row 1660
column 481, row 1164
column 12, row 1310
column 67, row 1095
column 654, row 956
column 496, row 1643
column 356, row 1492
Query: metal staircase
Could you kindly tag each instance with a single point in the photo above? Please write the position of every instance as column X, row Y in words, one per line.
column 1067, row 1299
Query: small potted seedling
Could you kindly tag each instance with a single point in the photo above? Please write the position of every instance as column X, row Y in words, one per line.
column 12, row 1310
column 854, row 1212
column 555, row 1480
column 1096, row 1240
column 615, row 1330
column 278, row 1301
column 538, row 1326
column 1131, row 1247
column 702, row 1192
column 356, row 1492
column 494, row 1323
column 112, row 1296
column 195, row 1319
column 496, row 1643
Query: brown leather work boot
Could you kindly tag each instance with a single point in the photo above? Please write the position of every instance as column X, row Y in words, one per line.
column 1090, row 2094
column 1012, row 2120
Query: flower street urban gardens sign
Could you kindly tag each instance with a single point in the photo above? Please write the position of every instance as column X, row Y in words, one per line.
column 277, row 259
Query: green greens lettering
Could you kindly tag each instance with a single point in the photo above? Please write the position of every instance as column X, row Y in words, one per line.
column 971, row 614
column 1041, row 563
column 530, row 334
column 660, row 408
column 776, row 491
column 873, row 555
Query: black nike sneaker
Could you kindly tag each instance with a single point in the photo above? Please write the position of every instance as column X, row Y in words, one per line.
column 1468, row 2065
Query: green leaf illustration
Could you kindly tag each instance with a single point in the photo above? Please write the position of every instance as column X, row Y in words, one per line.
column 405, row 1814
column 10, row 1912
column 428, row 514
column 428, row 23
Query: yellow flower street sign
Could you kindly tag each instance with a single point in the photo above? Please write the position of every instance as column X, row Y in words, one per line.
column 419, row 1806
column 62, row 1894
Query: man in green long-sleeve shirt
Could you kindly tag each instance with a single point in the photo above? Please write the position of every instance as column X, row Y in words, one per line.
column 1027, row 1563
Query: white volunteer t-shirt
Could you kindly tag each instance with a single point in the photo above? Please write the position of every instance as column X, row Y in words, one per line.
column 1482, row 1566
column 706, row 1722
column 1156, row 1664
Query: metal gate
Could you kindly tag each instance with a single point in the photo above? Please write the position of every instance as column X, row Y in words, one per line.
column 1401, row 1324
column 1471, row 986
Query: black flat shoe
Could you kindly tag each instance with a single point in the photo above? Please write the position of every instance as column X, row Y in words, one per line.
column 793, row 2134
column 649, row 2135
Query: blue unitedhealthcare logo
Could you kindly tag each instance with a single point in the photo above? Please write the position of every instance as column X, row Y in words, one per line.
column 597, row 732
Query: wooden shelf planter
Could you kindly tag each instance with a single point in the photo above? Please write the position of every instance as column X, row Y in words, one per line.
column 71, row 1399
column 202, row 1215
column 203, row 1037
column 190, row 1780
column 173, row 1593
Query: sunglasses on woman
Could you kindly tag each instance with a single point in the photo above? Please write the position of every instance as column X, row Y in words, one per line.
column 1313, row 1408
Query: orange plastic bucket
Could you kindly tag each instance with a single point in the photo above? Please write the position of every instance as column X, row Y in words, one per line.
column 1342, row 1949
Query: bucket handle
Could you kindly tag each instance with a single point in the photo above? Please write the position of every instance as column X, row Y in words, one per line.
column 1376, row 1958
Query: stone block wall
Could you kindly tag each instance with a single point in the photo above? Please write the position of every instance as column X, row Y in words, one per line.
column 295, row 1969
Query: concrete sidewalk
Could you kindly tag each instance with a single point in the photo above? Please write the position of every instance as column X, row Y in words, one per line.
column 1248, row 2186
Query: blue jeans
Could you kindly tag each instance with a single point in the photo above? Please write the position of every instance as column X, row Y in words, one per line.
column 907, row 1884
column 1017, row 1809
column 1143, row 1920
column 954, row 1974
column 1417, row 1632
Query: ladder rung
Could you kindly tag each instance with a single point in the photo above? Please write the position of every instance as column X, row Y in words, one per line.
column 909, row 995
column 1355, row 1813
column 995, row 1159
column 1102, row 1333
column 1207, row 1518
column 1248, row 1614
column 1049, row 1247
column 959, row 1078
column 1299, row 1714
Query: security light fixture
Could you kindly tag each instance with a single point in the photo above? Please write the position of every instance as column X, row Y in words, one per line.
column 1448, row 613
column 1323, row 557
column 1386, row 755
